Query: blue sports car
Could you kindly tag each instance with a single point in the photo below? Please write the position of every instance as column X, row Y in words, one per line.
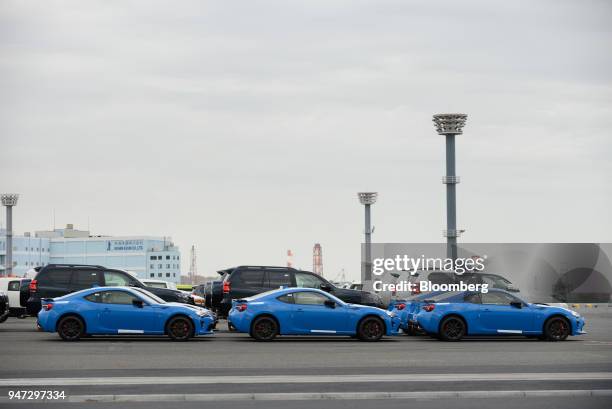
column 121, row 311
column 496, row 312
column 308, row 311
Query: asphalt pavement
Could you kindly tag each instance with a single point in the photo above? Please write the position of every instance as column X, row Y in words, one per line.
column 232, row 370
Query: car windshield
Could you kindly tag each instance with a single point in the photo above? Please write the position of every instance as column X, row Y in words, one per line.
column 152, row 298
column 495, row 279
column 261, row 295
column 443, row 296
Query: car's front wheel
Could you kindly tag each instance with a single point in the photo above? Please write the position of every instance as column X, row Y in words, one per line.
column 71, row 328
column 452, row 329
column 264, row 329
column 557, row 329
column 180, row 329
column 371, row 329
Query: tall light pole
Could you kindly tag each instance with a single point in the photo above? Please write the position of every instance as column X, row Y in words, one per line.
column 450, row 125
column 9, row 200
column 367, row 199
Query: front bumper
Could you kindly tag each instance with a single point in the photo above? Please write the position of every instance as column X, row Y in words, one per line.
column 207, row 325
column 579, row 326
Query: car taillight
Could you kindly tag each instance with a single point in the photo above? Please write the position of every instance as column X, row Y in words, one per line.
column 47, row 307
column 226, row 287
column 241, row 307
column 33, row 286
column 429, row 307
column 400, row 306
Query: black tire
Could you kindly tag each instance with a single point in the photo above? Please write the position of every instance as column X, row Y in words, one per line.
column 409, row 331
column 71, row 328
column 557, row 329
column 179, row 329
column 264, row 329
column 452, row 329
column 3, row 318
column 371, row 329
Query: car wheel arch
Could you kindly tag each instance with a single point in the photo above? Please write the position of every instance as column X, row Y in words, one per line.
column 71, row 314
column 557, row 315
column 454, row 315
column 371, row 316
column 265, row 315
column 180, row 315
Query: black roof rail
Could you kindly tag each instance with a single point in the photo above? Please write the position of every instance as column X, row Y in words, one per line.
column 75, row 265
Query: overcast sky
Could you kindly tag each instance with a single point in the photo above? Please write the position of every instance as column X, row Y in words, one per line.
column 247, row 127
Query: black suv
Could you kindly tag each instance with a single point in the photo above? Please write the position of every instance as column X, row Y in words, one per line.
column 55, row 280
column 246, row 281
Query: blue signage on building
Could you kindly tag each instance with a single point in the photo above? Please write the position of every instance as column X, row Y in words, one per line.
column 125, row 245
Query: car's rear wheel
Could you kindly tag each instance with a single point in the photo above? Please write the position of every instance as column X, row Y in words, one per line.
column 71, row 328
column 557, row 329
column 371, row 329
column 180, row 329
column 452, row 329
column 264, row 329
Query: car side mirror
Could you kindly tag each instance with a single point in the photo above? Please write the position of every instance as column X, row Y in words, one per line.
column 326, row 287
column 516, row 304
column 330, row 304
column 137, row 303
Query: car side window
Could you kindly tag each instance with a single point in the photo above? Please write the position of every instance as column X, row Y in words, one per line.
column 94, row 297
column 85, row 279
column 115, row 279
column 309, row 298
column 278, row 279
column 497, row 298
column 440, row 278
column 307, row 281
column 55, row 278
column 13, row 286
column 248, row 278
column 287, row 298
column 117, row 297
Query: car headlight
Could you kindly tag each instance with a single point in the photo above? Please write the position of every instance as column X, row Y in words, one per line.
column 202, row 313
column 390, row 313
column 575, row 314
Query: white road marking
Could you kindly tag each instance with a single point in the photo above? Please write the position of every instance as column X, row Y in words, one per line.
column 424, row 395
column 290, row 379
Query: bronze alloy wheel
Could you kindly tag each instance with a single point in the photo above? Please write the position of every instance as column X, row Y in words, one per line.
column 264, row 329
column 371, row 329
column 557, row 329
column 180, row 329
column 71, row 328
column 452, row 329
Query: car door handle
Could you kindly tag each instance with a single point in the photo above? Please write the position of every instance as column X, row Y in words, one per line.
column 300, row 310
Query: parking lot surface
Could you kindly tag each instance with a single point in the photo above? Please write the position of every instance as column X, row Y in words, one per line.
column 232, row 370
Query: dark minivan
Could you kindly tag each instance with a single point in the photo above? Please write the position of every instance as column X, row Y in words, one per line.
column 55, row 280
column 246, row 281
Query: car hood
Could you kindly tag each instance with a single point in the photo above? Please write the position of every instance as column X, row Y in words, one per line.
column 367, row 307
column 188, row 306
column 554, row 308
column 161, row 291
